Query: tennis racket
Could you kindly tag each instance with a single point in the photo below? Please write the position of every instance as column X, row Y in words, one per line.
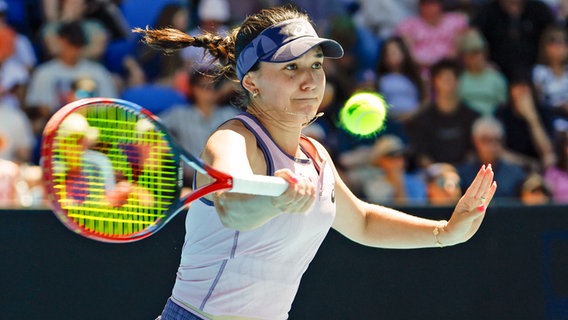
column 114, row 174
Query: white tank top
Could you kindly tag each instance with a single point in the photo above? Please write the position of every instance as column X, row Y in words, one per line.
column 256, row 273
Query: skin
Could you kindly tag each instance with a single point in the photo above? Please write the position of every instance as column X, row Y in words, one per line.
column 288, row 97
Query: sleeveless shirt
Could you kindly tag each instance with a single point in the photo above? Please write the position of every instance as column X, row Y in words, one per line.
column 254, row 273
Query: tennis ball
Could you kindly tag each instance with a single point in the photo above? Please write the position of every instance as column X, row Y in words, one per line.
column 364, row 113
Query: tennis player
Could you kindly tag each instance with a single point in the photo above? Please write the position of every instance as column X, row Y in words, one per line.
column 244, row 255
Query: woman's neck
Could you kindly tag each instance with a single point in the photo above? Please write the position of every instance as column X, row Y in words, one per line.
column 286, row 136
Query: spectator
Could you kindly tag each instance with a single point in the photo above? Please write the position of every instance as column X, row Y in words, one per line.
column 488, row 139
column 20, row 185
column 109, row 14
column 512, row 29
column 58, row 12
column 482, row 87
column 534, row 190
column 84, row 156
column 158, row 67
column 16, row 137
column 528, row 128
column 192, row 124
column 432, row 34
column 7, row 34
column 385, row 178
column 550, row 75
column 16, row 61
column 51, row 83
column 9, row 172
column 213, row 17
column 14, row 78
column 399, row 79
column 443, row 184
column 556, row 176
column 356, row 69
column 382, row 17
column 442, row 131
column 24, row 52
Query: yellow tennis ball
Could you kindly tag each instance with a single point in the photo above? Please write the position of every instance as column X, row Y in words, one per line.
column 364, row 113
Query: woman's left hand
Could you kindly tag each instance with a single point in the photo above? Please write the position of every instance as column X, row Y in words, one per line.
column 470, row 209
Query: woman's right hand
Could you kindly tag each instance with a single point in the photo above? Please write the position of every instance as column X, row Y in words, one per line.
column 300, row 195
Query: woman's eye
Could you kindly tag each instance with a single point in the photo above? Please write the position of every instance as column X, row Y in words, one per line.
column 317, row 65
column 291, row 66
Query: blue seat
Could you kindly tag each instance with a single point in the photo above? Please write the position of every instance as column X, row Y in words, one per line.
column 155, row 98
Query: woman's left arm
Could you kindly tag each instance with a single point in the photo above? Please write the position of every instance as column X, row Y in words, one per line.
column 378, row 226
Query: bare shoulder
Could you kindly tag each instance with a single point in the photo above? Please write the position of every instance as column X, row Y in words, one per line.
column 234, row 143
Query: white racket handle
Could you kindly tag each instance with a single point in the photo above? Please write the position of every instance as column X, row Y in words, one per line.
column 260, row 185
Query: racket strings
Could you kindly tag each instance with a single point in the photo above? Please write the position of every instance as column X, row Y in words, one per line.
column 120, row 182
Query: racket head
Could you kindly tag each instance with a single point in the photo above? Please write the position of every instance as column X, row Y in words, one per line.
column 111, row 170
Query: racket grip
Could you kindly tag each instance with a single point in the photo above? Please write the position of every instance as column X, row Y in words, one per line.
column 260, row 185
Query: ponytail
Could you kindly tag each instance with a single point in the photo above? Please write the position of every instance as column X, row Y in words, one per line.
column 170, row 40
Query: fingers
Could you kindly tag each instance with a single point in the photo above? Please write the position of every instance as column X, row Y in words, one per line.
column 488, row 198
column 473, row 188
column 481, row 191
column 471, row 208
column 300, row 195
column 477, row 197
column 486, row 181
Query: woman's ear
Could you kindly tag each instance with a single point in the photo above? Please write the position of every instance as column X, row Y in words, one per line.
column 249, row 83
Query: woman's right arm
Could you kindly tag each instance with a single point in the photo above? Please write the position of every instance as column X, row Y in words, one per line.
column 233, row 149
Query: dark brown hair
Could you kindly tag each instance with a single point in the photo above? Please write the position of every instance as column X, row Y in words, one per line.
column 553, row 32
column 409, row 67
column 225, row 50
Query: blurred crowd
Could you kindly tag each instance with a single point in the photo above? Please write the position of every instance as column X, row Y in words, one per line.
column 468, row 82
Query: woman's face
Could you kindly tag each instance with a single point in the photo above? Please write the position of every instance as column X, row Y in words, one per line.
column 393, row 56
column 291, row 91
column 556, row 48
column 180, row 20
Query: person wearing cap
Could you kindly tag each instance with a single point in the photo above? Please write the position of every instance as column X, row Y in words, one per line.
column 385, row 179
column 245, row 255
column 82, row 155
column 481, row 86
column 534, row 191
column 79, row 136
column 443, row 184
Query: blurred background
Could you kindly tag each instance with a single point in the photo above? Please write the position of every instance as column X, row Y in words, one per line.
column 467, row 82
